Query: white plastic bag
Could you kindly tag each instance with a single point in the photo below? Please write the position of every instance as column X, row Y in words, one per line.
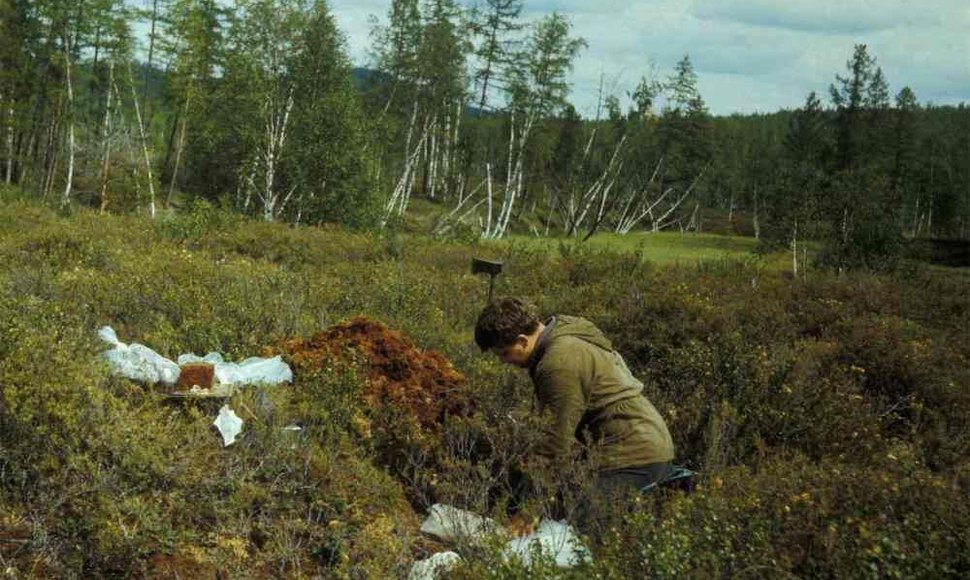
column 252, row 371
column 555, row 539
column 138, row 362
column 448, row 523
column 255, row 370
column 429, row 568
column 229, row 425
column 213, row 358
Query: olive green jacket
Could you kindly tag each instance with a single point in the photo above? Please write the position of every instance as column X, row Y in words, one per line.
column 593, row 397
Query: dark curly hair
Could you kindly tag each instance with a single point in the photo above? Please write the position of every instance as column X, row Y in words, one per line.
column 502, row 321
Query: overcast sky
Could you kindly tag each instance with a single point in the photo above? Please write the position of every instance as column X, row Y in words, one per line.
column 750, row 55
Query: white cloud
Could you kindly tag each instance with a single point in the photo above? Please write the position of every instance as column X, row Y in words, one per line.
column 353, row 18
column 750, row 55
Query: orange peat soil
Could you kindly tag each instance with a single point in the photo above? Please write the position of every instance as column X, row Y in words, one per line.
column 422, row 382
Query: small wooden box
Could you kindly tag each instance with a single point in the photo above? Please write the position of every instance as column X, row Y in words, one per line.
column 196, row 374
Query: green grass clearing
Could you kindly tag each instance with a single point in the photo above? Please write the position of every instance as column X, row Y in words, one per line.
column 657, row 247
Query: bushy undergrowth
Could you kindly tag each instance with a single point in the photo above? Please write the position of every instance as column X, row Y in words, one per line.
column 826, row 416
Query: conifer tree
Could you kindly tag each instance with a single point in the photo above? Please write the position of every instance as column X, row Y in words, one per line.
column 863, row 220
column 332, row 162
column 904, row 141
column 685, row 128
column 493, row 25
column 193, row 43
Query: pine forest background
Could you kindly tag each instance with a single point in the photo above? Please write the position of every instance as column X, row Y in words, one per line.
column 256, row 107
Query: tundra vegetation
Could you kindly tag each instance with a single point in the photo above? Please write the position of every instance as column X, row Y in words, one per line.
column 230, row 183
column 826, row 415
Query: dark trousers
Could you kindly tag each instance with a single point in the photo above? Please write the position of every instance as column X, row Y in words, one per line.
column 631, row 479
column 609, row 486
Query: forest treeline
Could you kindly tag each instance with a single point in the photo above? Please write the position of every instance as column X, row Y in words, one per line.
column 256, row 107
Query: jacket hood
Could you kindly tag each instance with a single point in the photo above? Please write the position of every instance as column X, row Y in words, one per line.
column 579, row 328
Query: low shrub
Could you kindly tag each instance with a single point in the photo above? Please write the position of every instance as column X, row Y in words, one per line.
column 826, row 415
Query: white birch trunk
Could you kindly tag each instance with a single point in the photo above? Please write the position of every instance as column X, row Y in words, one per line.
column 757, row 222
column 433, row 159
column 144, row 146
column 630, row 218
column 453, row 164
column 446, row 155
column 488, row 178
column 916, row 217
column 106, row 138
column 180, row 143
column 399, row 189
column 10, row 153
column 276, row 126
column 269, row 165
column 419, row 150
column 48, row 183
column 70, row 123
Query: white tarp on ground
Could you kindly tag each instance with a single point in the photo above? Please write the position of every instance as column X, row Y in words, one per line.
column 556, row 540
column 253, row 370
column 140, row 363
column 448, row 524
column 429, row 568
column 137, row 361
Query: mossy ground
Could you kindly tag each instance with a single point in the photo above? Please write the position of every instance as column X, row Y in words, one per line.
column 826, row 414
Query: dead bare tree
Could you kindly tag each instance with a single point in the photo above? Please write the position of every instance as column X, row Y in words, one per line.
column 70, row 121
column 398, row 202
column 106, row 137
column 144, row 144
column 518, row 138
column 448, row 222
column 179, row 147
column 640, row 206
column 575, row 213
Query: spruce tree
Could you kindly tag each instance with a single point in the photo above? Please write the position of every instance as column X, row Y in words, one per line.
column 864, row 225
column 495, row 50
column 332, row 163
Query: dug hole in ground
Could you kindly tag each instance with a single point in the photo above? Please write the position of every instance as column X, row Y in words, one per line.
column 426, row 388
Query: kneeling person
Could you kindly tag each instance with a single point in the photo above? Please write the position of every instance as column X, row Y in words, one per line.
column 589, row 390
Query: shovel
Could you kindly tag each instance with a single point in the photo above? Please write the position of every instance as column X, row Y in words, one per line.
column 491, row 267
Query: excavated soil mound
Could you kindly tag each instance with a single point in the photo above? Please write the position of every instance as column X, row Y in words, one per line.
column 422, row 382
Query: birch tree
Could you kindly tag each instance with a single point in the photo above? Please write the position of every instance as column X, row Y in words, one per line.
column 263, row 41
column 539, row 87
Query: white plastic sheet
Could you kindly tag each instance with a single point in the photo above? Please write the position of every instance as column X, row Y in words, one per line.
column 428, row 569
column 229, row 425
column 252, row 371
column 138, row 362
column 448, row 523
column 554, row 539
